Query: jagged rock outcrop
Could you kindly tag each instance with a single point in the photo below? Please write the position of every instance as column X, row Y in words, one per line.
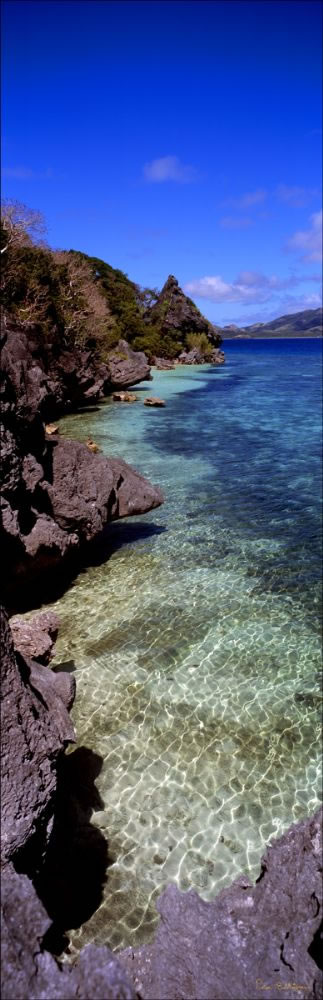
column 127, row 367
column 163, row 364
column 197, row 357
column 55, row 494
column 252, row 940
column 35, row 729
column 174, row 311
column 35, row 638
column 30, row 972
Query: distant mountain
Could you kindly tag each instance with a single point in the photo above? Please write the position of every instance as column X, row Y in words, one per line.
column 302, row 324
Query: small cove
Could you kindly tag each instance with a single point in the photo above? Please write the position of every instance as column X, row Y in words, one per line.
column 196, row 643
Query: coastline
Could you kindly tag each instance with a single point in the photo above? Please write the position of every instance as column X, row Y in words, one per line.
column 112, row 651
column 134, row 569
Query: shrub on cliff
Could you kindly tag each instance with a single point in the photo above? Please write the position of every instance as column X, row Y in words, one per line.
column 199, row 341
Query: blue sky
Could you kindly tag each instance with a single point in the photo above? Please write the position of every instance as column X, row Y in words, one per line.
column 173, row 137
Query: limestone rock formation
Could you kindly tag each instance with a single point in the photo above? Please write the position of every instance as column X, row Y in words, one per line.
column 124, row 397
column 55, row 494
column 197, row 357
column 35, row 728
column 175, row 311
column 30, row 972
column 127, row 367
column 154, row 401
column 253, row 940
column 163, row 364
column 35, row 638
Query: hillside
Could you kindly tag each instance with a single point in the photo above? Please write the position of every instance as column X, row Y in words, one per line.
column 81, row 302
column 302, row 324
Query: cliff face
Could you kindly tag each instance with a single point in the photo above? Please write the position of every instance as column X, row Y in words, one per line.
column 174, row 311
column 55, row 494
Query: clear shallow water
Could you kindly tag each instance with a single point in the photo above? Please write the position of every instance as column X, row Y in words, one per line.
column 197, row 643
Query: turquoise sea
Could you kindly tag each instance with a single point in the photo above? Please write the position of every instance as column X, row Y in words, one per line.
column 195, row 634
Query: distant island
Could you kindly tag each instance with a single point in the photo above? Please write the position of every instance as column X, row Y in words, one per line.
column 301, row 324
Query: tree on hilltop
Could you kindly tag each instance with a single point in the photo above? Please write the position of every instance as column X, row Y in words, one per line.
column 20, row 225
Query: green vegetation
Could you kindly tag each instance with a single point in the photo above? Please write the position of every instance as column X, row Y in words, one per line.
column 81, row 301
column 201, row 342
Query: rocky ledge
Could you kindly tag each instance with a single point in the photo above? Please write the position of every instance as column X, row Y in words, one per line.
column 253, row 940
column 199, row 357
column 35, row 729
column 56, row 494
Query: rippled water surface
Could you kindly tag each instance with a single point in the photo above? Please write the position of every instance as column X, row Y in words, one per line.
column 196, row 637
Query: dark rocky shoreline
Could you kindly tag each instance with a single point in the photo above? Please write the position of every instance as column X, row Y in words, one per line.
column 57, row 495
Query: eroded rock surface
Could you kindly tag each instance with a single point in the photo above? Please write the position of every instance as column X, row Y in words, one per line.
column 35, row 637
column 198, row 357
column 253, row 940
column 176, row 311
column 30, row 972
column 55, row 494
column 127, row 367
column 35, row 729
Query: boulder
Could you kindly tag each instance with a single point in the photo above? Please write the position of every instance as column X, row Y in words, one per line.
column 124, row 397
column 154, row 401
column 193, row 357
column 92, row 446
column 163, row 364
column 35, row 637
column 127, row 367
column 252, row 940
column 217, row 357
column 51, row 429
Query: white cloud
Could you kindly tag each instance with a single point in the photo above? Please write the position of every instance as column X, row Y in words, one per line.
column 295, row 195
column 309, row 240
column 236, row 222
column 253, row 198
column 248, row 287
column 250, row 199
column 26, row 174
column 169, row 168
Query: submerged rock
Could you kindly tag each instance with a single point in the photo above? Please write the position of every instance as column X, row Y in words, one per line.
column 163, row 364
column 154, row 401
column 92, row 446
column 252, row 940
column 124, row 397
